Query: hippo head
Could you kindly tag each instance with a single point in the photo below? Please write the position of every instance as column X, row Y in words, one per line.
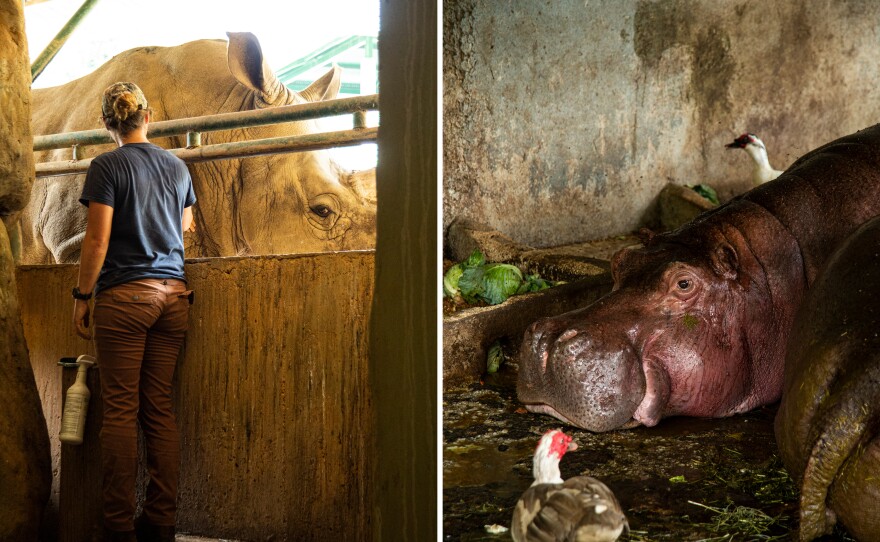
column 680, row 333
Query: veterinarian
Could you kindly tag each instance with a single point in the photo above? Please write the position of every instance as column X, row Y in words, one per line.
column 139, row 198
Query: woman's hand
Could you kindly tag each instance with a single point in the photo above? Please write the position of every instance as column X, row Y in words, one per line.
column 81, row 318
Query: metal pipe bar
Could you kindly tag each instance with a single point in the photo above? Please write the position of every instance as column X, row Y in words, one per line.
column 236, row 149
column 60, row 39
column 221, row 121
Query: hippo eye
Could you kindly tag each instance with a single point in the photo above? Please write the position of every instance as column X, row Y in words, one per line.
column 684, row 284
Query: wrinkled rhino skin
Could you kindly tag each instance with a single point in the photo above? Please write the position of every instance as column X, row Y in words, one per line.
column 698, row 318
column 828, row 424
column 284, row 203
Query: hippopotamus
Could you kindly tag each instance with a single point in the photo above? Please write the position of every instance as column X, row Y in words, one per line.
column 697, row 321
column 828, row 423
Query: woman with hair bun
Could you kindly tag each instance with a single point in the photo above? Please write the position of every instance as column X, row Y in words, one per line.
column 139, row 198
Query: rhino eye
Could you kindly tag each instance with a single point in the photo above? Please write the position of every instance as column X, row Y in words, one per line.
column 322, row 210
column 684, row 284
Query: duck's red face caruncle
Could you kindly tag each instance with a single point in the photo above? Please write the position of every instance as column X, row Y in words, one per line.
column 560, row 443
column 742, row 141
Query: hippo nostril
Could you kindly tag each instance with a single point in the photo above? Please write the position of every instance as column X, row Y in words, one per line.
column 570, row 334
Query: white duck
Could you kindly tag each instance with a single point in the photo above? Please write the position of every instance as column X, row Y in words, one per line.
column 580, row 509
column 762, row 172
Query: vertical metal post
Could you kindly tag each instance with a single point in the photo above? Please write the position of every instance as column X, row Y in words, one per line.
column 193, row 139
column 360, row 120
column 58, row 41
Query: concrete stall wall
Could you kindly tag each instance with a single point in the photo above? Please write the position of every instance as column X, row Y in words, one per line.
column 272, row 391
column 563, row 120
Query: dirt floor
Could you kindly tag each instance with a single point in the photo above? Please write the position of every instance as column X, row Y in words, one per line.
column 686, row 479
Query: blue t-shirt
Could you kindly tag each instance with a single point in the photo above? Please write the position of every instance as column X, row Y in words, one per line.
column 148, row 188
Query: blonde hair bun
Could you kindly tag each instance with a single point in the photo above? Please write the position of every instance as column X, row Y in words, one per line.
column 121, row 100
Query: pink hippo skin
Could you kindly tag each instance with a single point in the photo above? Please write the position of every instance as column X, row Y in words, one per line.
column 698, row 319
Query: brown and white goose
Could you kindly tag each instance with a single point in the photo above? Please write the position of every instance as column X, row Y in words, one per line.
column 580, row 509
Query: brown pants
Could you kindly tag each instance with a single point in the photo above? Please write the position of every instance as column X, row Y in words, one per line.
column 139, row 329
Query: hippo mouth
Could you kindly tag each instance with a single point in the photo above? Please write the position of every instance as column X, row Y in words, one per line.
column 657, row 391
column 543, row 408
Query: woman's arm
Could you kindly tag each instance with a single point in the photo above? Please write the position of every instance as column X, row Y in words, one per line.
column 91, row 259
column 188, row 219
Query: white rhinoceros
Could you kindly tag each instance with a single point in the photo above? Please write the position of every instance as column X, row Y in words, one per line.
column 284, row 203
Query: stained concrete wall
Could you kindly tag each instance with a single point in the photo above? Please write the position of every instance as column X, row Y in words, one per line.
column 272, row 392
column 563, row 120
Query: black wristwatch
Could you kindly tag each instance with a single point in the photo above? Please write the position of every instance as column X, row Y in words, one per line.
column 79, row 295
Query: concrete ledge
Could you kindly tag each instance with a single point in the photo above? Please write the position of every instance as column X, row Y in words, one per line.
column 679, row 205
column 468, row 334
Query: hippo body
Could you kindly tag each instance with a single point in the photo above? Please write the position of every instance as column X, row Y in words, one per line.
column 828, row 424
column 698, row 318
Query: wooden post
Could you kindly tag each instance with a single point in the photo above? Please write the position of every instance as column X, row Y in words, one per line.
column 403, row 334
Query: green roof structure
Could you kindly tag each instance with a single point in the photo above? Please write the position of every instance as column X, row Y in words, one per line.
column 356, row 55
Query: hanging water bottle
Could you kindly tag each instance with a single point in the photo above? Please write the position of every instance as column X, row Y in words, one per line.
column 76, row 404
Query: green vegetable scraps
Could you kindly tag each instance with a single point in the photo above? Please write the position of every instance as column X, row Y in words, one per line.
column 495, row 357
column 450, row 280
column 690, row 321
column 707, row 192
column 678, row 480
column 476, row 281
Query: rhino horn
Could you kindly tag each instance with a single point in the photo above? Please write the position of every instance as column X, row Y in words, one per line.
column 244, row 56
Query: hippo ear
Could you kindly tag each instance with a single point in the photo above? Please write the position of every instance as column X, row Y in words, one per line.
column 325, row 87
column 645, row 235
column 725, row 261
column 244, row 56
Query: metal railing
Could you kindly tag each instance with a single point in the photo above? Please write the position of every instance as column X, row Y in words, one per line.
column 60, row 39
column 194, row 126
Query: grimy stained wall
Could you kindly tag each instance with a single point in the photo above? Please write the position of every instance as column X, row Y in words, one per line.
column 271, row 395
column 563, row 119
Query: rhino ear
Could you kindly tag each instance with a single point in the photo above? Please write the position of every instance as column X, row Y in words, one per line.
column 364, row 184
column 725, row 261
column 244, row 56
column 325, row 87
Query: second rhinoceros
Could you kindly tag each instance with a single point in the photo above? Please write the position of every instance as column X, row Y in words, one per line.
column 284, row 203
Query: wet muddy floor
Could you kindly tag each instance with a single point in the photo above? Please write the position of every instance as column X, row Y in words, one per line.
column 686, row 479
